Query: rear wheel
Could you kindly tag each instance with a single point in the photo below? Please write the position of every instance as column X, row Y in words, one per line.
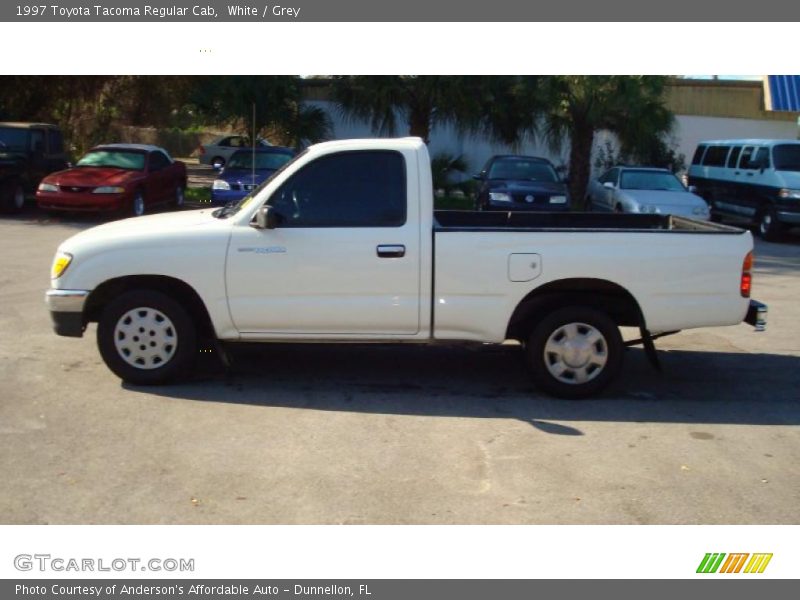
column 575, row 352
column 769, row 228
column 180, row 196
column 145, row 337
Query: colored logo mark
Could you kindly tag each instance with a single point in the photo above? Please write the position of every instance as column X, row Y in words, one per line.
column 734, row 563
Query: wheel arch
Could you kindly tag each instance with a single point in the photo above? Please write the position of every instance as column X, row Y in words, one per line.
column 175, row 288
column 601, row 294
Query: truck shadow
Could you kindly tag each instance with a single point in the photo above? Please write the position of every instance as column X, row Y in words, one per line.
column 491, row 382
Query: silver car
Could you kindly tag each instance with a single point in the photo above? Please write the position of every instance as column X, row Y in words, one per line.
column 222, row 148
column 645, row 190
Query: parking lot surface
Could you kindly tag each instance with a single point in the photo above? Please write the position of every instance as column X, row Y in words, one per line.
column 378, row 434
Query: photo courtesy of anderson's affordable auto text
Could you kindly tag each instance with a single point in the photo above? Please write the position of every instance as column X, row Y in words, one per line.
column 273, row 277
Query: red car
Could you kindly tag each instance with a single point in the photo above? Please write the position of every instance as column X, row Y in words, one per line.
column 129, row 178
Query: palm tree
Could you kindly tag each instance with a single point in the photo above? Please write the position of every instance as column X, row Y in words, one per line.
column 485, row 104
column 631, row 107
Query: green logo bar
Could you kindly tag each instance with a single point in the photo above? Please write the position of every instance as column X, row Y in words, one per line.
column 710, row 562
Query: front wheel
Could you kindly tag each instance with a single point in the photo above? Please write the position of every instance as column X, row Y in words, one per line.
column 137, row 206
column 180, row 196
column 15, row 200
column 575, row 352
column 146, row 338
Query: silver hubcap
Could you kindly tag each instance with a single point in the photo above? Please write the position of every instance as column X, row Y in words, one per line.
column 19, row 197
column 138, row 206
column 766, row 221
column 575, row 353
column 145, row 338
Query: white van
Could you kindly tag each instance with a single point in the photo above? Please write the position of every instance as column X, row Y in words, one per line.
column 754, row 180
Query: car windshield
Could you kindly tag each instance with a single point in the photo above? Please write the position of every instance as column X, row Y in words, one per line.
column 13, row 139
column 264, row 160
column 786, row 157
column 650, row 180
column 234, row 207
column 120, row 159
column 525, row 170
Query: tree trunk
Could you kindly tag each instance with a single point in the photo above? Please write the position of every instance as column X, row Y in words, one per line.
column 420, row 125
column 580, row 158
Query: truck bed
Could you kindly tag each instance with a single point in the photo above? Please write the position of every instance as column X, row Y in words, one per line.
column 465, row 220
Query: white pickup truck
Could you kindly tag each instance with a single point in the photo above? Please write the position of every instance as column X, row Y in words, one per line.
column 343, row 245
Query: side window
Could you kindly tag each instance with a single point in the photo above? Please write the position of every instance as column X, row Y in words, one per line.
column 746, row 162
column 225, row 142
column 37, row 141
column 715, row 156
column 158, row 161
column 347, row 189
column 698, row 154
column 761, row 159
column 734, row 157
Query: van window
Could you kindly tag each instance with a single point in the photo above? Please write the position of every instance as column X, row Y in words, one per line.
column 786, row 157
column 762, row 159
column 698, row 154
column 715, row 156
column 734, row 157
column 747, row 155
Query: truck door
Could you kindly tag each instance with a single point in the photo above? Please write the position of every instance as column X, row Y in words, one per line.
column 345, row 257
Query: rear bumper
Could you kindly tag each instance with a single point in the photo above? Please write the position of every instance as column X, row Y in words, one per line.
column 66, row 311
column 756, row 315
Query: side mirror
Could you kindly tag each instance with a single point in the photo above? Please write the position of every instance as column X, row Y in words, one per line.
column 266, row 218
column 608, row 185
column 478, row 177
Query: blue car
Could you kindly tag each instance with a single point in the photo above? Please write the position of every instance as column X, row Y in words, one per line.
column 238, row 178
column 521, row 183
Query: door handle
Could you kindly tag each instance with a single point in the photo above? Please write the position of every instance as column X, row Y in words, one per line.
column 391, row 251
column 749, row 174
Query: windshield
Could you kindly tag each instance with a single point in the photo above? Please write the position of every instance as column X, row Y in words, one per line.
column 527, row 170
column 786, row 157
column 234, row 207
column 13, row 139
column 243, row 159
column 650, row 180
column 120, row 159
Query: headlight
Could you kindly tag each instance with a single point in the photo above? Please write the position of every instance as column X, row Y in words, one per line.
column 700, row 210
column 558, row 199
column 60, row 264
column 648, row 208
column 108, row 189
column 789, row 194
column 220, row 184
column 48, row 187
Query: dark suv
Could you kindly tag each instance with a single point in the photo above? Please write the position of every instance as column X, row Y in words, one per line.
column 28, row 152
column 512, row 182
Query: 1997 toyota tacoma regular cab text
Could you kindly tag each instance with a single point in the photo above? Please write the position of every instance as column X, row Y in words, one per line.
column 342, row 244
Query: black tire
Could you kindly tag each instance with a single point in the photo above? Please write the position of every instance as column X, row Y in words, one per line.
column 543, row 364
column 14, row 197
column 181, row 356
column 769, row 228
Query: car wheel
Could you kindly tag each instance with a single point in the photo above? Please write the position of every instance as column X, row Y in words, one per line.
column 15, row 199
column 146, row 338
column 180, row 196
column 575, row 352
column 137, row 206
column 769, row 228
column 217, row 162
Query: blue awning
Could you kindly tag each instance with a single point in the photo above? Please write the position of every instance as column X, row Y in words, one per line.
column 782, row 92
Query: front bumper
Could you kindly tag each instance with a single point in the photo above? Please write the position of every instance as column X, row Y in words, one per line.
column 66, row 311
column 81, row 202
column 756, row 315
column 789, row 217
column 222, row 197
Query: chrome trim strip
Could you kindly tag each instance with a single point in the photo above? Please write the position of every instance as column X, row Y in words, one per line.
column 66, row 300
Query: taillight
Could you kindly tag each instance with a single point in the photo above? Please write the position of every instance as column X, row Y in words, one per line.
column 201, row 150
column 747, row 278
